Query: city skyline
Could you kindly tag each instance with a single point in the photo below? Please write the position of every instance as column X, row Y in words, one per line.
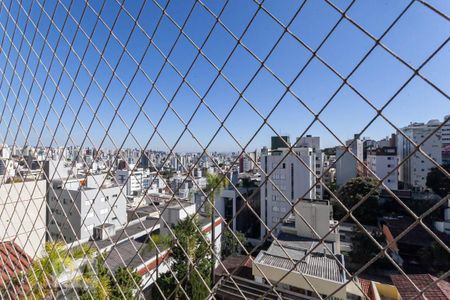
column 347, row 114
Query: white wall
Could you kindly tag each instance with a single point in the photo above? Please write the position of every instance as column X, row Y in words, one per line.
column 414, row 171
column 23, row 215
column 273, row 205
column 381, row 165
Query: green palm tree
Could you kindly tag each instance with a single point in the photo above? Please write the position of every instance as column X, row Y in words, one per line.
column 95, row 278
column 44, row 273
column 214, row 184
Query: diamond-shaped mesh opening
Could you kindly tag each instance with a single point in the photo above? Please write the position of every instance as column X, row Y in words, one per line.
column 223, row 150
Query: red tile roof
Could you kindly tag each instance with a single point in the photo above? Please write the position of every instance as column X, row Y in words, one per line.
column 366, row 287
column 13, row 260
column 439, row 290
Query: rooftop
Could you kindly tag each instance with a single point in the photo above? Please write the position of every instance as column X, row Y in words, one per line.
column 314, row 264
column 137, row 229
column 13, row 260
column 440, row 290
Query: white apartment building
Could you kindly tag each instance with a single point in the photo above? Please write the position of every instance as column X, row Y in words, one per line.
column 414, row 170
column 132, row 179
column 445, row 131
column 292, row 178
column 383, row 161
column 23, row 215
column 347, row 166
column 247, row 162
column 314, row 143
column 6, row 163
column 77, row 206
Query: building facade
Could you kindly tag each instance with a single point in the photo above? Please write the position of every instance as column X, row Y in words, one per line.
column 349, row 166
column 23, row 215
column 382, row 162
column 291, row 179
column 413, row 172
column 79, row 206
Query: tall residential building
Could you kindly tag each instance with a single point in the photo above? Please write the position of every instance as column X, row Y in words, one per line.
column 319, row 157
column 247, row 162
column 23, row 214
column 383, row 161
column 413, row 172
column 132, row 179
column 293, row 179
column 78, row 206
column 445, row 130
column 347, row 166
column 6, row 163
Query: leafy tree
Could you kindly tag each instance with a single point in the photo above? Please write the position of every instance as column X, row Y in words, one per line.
column 364, row 249
column 190, row 241
column 214, row 184
column 99, row 284
column 128, row 281
column 230, row 245
column 43, row 276
column 353, row 191
column 247, row 182
column 96, row 280
column 438, row 182
column 161, row 241
column 435, row 257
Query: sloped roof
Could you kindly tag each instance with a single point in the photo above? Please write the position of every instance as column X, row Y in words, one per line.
column 439, row 290
column 13, row 261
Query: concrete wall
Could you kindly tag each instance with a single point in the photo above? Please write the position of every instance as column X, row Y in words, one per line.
column 23, row 215
column 347, row 166
column 317, row 215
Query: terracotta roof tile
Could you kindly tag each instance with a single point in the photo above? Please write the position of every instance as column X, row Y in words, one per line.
column 13, row 260
column 439, row 291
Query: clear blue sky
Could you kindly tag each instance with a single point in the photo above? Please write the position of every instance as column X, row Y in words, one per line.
column 418, row 33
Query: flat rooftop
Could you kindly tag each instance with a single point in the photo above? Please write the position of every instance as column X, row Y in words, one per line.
column 135, row 230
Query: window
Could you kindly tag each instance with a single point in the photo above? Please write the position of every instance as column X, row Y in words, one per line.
column 275, row 208
column 103, row 211
column 284, row 165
